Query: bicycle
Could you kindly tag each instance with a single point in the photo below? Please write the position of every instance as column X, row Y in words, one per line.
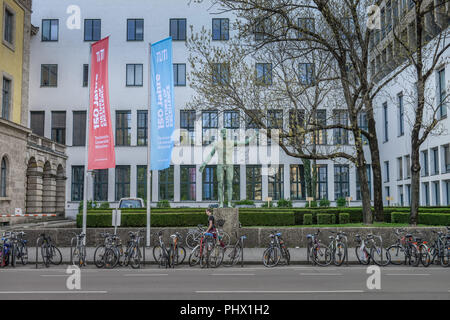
column 22, row 248
column 276, row 251
column 132, row 255
column 367, row 250
column 110, row 253
column 194, row 235
column 49, row 252
column 338, row 248
column 160, row 252
column 177, row 253
column 5, row 250
column 78, row 253
column 200, row 254
column 403, row 251
column 235, row 254
column 440, row 250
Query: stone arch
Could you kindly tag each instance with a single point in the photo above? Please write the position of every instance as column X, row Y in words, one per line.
column 4, row 176
column 49, row 189
column 60, row 190
column 34, row 187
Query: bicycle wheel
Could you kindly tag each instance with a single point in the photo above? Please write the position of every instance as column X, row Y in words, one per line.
column 339, row 254
column 204, row 255
column 2, row 257
column 110, row 258
column 135, row 258
column 23, row 250
column 232, row 255
column 215, row 257
column 194, row 257
column 285, row 256
column 445, row 257
column 362, row 255
column 396, row 254
column 271, row 257
column 191, row 241
column 55, row 256
column 13, row 256
column 157, row 253
column 75, row 258
column 380, row 256
column 414, row 257
column 99, row 255
column 425, row 256
column 322, row 255
column 178, row 256
column 225, row 237
column 45, row 253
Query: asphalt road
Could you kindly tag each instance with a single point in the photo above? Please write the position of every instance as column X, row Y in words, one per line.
column 250, row 282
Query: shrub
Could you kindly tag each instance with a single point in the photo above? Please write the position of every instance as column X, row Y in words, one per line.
column 267, row 218
column 344, row 218
column 163, row 204
column 324, row 203
column 245, row 202
column 326, row 218
column 399, row 217
column 313, row 204
column 284, row 203
column 307, row 219
column 340, row 202
column 104, row 205
column 438, row 219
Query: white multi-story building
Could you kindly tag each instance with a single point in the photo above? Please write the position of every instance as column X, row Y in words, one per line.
column 59, row 99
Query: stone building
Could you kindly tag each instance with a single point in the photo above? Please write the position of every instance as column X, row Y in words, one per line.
column 31, row 167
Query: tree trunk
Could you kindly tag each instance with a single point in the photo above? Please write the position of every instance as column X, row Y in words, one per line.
column 415, row 186
column 365, row 192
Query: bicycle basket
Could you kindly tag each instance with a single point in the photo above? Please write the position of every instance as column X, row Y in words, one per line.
column 220, row 222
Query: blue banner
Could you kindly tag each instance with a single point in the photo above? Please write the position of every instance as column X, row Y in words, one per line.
column 162, row 104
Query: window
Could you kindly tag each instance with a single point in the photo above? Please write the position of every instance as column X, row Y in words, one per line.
column 122, row 182
column 134, row 75
column 101, row 185
column 386, row 171
column 426, row 193
column 442, row 93
column 298, row 191
column 388, row 194
column 306, row 73
column 341, row 181
column 447, row 158
column 77, row 183
column 252, row 127
column 320, row 121
column 435, row 155
column 59, row 126
column 123, row 128
column 262, row 29
column 408, row 166
column 188, row 183
column 209, row 126
column 220, row 29
column 220, row 73
column 210, row 183
column 92, row 29
column 274, row 121
column 6, row 99
column 85, row 75
column 388, row 16
column 254, row 182
column 340, row 135
column 178, row 29
column 399, row 168
column 231, row 122
column 358, row 183
column 401, row 129
column 50, row 29
column 142, row 127
column 187, row 126
column 49, row 75
column 37, row 121
column 166, row 184
column 141, row 182
column 296, row 126
column 135, row 29
column 276, row 182
column 386, row 123
column 425, row 164
column 322, row 181
column 437, row 195
column 306, row 24
column 264, row 73
column 364, row 125
column 383, row 28
column 179, row 74
column 9, row 26
column 3, row 178
column 79, row 128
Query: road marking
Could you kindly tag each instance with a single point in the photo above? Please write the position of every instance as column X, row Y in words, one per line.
column 53, row 275
column 407, row 274
column 321, row 274
column 263, row 291
column 232, row 274
column 144, row 275
column 50, row 292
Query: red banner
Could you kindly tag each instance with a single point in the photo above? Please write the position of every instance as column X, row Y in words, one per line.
column 101, row 142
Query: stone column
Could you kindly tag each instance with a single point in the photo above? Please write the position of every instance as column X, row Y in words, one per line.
column 60, row 195
column 49, row 193
column 231, row 217
column 34, row 192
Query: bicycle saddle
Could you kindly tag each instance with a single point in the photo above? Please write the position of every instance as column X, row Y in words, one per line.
column 209, row 234
column 279, row 234
column 243, row 237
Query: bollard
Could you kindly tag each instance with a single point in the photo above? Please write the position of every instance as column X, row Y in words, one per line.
column 37, row 246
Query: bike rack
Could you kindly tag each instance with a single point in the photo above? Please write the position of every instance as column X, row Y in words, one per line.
column 37, row 254
column 242, row 254
column 71, row 246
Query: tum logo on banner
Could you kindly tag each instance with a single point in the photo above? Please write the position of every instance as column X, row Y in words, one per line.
column 100, row 55
column 73, row 282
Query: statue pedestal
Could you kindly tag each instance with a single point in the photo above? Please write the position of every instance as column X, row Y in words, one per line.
column 231, row 217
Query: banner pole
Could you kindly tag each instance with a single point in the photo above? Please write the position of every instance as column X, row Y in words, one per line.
column 86, row 157
column 149, row 171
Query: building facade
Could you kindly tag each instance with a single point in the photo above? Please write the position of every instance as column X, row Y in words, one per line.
column 29, row 164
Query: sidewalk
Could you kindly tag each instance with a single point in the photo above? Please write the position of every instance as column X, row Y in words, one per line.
column 251, row 255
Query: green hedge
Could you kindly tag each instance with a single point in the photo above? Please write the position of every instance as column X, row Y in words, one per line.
column 440, row 219
column 307, row 219
column 267, row 218
column 324, row 218
column 344, row 218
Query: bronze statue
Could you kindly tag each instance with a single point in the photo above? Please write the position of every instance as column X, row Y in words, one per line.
column 225, row 149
